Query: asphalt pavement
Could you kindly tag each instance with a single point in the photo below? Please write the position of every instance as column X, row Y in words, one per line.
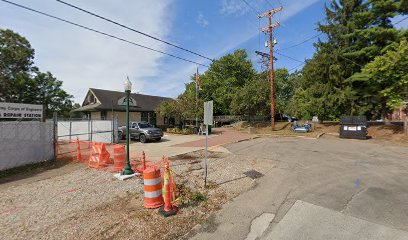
column 363, row 180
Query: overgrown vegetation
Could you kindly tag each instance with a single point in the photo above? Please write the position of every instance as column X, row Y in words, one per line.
column 361, row 69
column 235, row 87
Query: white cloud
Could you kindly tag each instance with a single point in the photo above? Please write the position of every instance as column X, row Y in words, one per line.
column 202, row 21
column 233, row 7
column 84, row 59
column 291, row 8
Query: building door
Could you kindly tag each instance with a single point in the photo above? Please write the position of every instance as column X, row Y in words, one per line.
column 152, row 118
column 145, row 117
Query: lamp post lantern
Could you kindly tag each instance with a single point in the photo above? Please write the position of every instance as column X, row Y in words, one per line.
column 128, row 87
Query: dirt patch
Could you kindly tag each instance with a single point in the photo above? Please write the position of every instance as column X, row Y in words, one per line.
column 384, row 133
column 90, row 204
column 36, row 172
column 389, row 133
column 281, row 129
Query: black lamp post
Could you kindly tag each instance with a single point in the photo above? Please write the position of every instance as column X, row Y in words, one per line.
column 128, row 87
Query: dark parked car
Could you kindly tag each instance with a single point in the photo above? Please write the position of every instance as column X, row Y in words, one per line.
column 143, row 131
column 280, row 117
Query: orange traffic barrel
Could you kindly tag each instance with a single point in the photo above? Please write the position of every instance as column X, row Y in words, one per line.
column 119, row 158
column 152, row 188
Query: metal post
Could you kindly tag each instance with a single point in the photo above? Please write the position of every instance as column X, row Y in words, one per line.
column 196, row 98
column 91, row 131
column 206, row 155
column 406, row 126
column 55, row 137
column 89, row 127
column 128, row 169
column 70, row 129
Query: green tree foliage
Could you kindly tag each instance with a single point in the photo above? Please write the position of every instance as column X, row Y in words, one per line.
column 235, row 87
column 16, row 59
column 183, row 107
column 389, row 73
column 357, row 32
column 252, row 99
column 22, row 82
column 223, row 79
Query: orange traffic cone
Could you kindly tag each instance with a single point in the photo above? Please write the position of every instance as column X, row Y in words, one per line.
column 143, row 161
column 168, row 209
column 79, row 156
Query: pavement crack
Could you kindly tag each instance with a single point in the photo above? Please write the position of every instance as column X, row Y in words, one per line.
column 351, row 199
column 281, row 204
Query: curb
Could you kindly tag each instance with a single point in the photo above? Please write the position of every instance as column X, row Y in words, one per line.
column 321, row 134
column 287, row 136
column 242, row 140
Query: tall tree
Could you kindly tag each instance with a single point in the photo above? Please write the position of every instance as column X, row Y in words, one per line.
column 22, row 82
column 252, row 99
column 389, row 73
column 357, row 31
column 16, row 60
column 222, row 80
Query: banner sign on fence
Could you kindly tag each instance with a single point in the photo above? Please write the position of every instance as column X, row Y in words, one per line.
column 20, row 110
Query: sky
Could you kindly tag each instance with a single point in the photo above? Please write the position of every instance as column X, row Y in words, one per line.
column 213, row 28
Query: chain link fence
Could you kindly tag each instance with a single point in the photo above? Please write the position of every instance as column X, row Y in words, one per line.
column 26, row 142
column 104, row 131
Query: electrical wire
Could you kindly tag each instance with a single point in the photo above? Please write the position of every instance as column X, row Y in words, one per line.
column 298, row 44
column 132, row 29
column 290, row 70
column 283, row 55
column 401, row 20
column 254, row 9
column 269, row 3
column 102, row 33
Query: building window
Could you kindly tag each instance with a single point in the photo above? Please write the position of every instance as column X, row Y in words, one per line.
column 145, row 116
column 152, row 118
column 104, row 115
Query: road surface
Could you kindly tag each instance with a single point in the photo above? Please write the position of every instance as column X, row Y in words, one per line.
column 357, row 179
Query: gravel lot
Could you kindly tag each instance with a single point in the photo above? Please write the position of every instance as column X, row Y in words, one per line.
column 91, row 204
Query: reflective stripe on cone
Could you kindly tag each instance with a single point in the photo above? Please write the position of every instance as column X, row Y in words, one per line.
column 152, row 188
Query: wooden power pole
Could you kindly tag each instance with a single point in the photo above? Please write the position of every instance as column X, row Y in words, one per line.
column 270, row 28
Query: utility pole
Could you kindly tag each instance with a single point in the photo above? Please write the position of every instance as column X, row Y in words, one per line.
column 270, row 28
column 265, row 60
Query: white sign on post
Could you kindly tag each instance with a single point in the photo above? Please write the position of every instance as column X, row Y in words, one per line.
column 20, row 110
column 208, row 113
column 208, row 120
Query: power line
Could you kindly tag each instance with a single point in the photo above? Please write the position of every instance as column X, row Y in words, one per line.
column 304, row 41
column 350, row 61
column 303, row 62
column 100, row 32
column 290, row 70
column 254, row 9
column 132, row 29
column 269, row 3
column 283, row 55
column 401, row 20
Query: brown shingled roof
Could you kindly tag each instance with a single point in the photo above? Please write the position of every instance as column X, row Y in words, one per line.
column 145, row 103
